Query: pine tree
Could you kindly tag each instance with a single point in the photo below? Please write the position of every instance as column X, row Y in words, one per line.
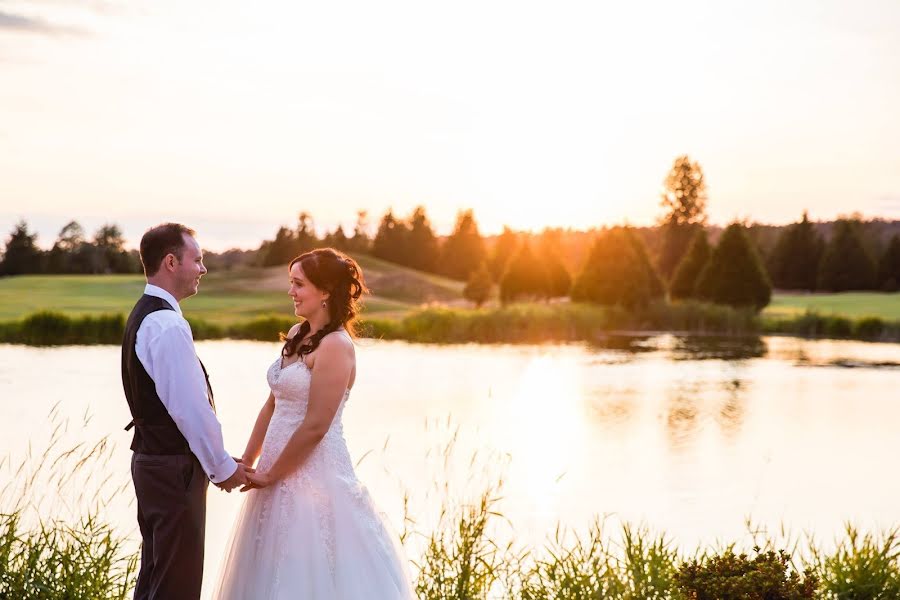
column 684, row 281
column 478, row 288
column 360, row 242
column 684, row 200
column 524, row 277
column 68, row 254
column 504, row 249
column 463, row 250
column 281, row 250
column 390, row 241
column 734, row 274
column 306, row 233
column 422, row 244
column 618, row 272
column 846, row 264
column 337, row 239
column 22, row 254
column 889, row 266
column 794, row 264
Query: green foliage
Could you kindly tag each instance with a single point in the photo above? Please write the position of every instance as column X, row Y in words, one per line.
column 478, row 288
column 889, row 266
column 422, row 244
column 48, row 328
column 21, row 254
column 734, row 274
column 463, row 250
column 684, row 281
column 525, row 277
column 846, row 264
column 618, row 272
column 862, row 566
column 728, row 576
column 794, row 262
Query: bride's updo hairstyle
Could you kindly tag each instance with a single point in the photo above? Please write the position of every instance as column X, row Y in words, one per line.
column 339, row 275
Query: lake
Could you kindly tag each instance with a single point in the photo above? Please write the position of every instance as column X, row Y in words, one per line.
column 689, row 436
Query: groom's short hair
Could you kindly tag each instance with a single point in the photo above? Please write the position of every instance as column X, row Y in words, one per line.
column 160, row 241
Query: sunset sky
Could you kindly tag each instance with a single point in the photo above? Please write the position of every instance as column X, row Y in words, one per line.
column 235, row 116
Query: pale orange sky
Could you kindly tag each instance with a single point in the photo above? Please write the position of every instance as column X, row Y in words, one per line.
column 235, row 116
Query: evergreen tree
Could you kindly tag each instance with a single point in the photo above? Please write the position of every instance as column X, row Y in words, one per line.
column 390, row 241
column 558, row 280
column 684, row 281
column 306, row 238
column 281, row 250
column 504, row 249
column 889, row 266
column 22, row 254
column 478, row 288
column 618, row 272
column 846, row 264
column 361, row 242
column 794, row 263
column 463, row 250
column 734, row 274
column 684, row 202
column 337, row 239
column 524, row 277
column 422, row 245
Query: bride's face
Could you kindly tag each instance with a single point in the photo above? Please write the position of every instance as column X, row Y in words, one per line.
column 307, row 297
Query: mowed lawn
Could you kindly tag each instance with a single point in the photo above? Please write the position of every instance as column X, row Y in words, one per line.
column 224, row 298
column 848, row 304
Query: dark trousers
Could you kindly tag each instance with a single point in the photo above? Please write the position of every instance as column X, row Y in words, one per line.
column 171, row 503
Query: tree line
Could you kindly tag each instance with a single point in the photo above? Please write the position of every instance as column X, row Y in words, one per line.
column 614, row 265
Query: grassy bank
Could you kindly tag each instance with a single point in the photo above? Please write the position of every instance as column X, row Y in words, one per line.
column 519, row 323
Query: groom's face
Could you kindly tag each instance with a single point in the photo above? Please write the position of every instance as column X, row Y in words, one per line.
column 190, row 268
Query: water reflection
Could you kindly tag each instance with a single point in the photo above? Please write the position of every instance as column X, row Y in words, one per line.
column 718, row 348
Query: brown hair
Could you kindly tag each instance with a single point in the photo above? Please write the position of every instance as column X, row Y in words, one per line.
column 160, row 241
column 332, row 271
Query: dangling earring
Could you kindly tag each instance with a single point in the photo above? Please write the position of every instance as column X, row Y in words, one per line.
column 324, row 304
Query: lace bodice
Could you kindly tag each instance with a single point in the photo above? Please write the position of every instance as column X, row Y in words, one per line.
column 290, row 386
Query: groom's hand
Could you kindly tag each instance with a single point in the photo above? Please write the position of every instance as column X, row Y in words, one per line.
column 239, row 477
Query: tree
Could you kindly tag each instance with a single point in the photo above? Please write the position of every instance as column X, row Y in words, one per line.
column 734, row 274
column 70, row 252
column 794, row 263
column 281, row 250
column 337, row 239
column 306, row 238
column 684, row 281
column 504, row 249
column 390, row 241
column 478, row 288
column 558, row 281
column 524, row 277
column 360, row 242
column 684, row 202
column 22, row 254
column 618, row 272
column 109, row 253
column 422, row 245
column 463, row 250
column 889, row 266
column 846, row 264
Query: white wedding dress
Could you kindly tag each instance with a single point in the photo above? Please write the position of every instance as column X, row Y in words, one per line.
column 315, row 535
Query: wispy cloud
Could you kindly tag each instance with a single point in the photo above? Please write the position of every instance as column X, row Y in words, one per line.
column 11, row 22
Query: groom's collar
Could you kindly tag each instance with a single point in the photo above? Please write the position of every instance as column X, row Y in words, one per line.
column 154, row 290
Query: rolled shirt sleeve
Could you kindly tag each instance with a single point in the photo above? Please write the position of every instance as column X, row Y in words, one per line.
column 170, row 360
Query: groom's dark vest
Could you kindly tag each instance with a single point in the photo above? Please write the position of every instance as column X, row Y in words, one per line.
column 154, row 430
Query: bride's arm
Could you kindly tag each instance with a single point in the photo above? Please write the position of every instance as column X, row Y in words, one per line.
column 254, row 444
column 330, row 376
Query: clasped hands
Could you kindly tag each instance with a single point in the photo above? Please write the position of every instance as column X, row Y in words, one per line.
column 246, row 477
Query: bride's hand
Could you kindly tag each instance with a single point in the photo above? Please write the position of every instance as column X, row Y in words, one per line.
column 258, row 480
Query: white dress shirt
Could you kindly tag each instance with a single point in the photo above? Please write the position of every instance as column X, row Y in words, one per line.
column 165, row 346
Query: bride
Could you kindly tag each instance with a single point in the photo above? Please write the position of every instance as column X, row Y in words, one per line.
column 308, row 528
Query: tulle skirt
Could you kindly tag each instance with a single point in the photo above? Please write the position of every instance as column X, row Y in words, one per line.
column 308, row 539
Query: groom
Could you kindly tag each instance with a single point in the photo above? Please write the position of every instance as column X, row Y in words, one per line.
column 177, row 444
